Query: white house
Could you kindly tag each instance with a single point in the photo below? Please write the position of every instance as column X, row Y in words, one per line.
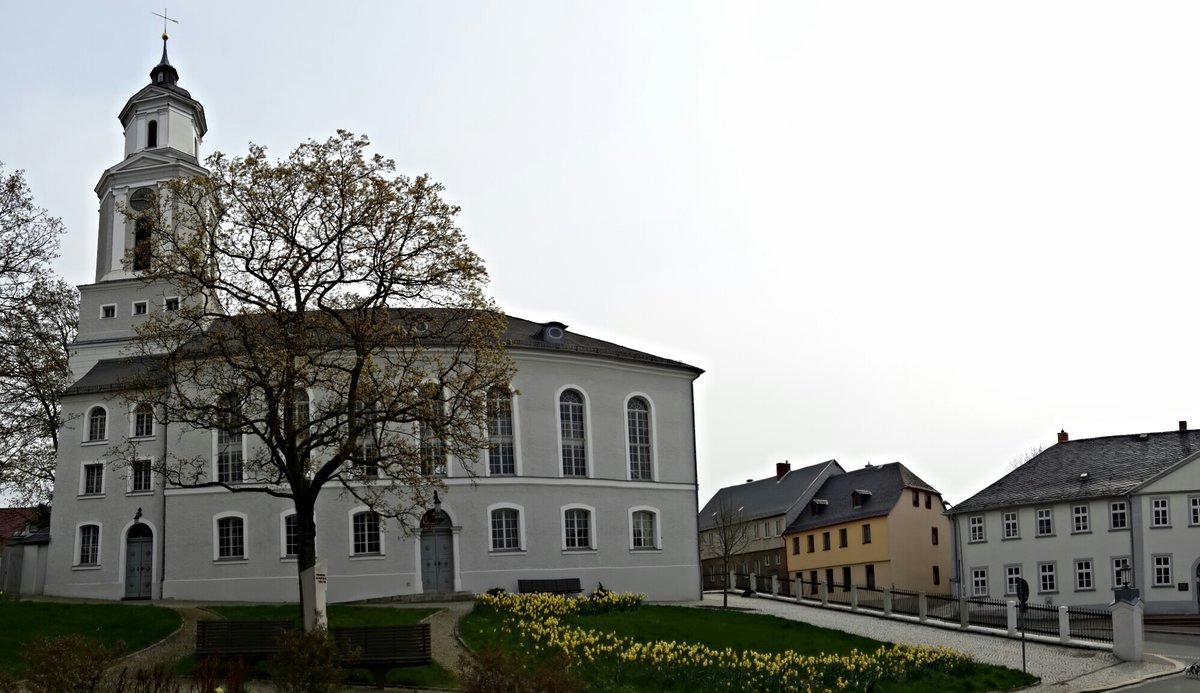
column 591, row 472
column 1087, row 516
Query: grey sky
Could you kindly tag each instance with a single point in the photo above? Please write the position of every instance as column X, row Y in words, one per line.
column 932, row 232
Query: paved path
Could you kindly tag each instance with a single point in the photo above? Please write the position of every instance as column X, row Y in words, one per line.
column 1060, row 668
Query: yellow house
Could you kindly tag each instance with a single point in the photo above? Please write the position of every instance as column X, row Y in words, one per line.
column 880, row 526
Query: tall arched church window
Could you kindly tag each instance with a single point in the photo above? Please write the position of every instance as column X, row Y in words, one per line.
column 143, row 227
column 638, row 413
column 97, row 424
column 501, row 453
column 433, row 453
column 574, row 436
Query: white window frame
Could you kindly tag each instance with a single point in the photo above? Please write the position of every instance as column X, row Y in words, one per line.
column 1154, row 512
column 131, row 477
column 975, row 522
column 520, row 510
column 1081, row 522
column 133, row 421
column 350, row 535
column 283, row 554
column 592, row 533
column 486, row 454
column 108, row 317
column 1114, row 513
column 1080, row 570
column 75, row 562
column 1011, row 520
column 166, row 305
column 588, row 431
column 133, row 308
column 1115, row 564
column 1160, row 560
column 1052, row 574
column 653, row 435
column 1046, row 514
column 979, row 582
column 1011, row 577
column 83, row 469
column 1193, row 511
column 87, row 425
column 657, row 515
column 216, row 537
column 216, row 451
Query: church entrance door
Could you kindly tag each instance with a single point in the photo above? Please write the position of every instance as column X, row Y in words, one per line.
column 139, row 562
column 437, row 552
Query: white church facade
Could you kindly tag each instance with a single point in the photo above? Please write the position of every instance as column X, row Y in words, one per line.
column 590, row 472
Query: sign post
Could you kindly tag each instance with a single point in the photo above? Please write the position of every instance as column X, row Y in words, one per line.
column 1023, row 597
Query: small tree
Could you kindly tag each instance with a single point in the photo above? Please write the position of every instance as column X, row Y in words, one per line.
column 38, row 319
column 728, row 537
column 332, row 314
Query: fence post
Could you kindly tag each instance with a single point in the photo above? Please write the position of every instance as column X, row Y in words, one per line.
column 774, row 585
column 799, row 590
column 1064, row 624
column 823, row 590
column 854, row 597
column 922, row 606
column 753, row 582
column 1012, row 618
column 732, row 581
column 887, row 601
column 1127, row 636
column 964, row 612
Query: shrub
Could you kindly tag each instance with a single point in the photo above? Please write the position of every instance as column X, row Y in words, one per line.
column 494, row 670
column 67, row 664
column 306, row 663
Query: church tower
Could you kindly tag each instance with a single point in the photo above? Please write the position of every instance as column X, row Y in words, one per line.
column 163, row 128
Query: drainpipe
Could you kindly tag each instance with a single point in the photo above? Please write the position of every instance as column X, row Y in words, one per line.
column 162, row 544
column 956, row 579
column 1133, row 554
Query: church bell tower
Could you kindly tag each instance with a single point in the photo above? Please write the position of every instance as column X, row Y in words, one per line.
column 163, row 127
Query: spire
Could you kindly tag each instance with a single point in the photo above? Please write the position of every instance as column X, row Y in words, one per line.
column 164, row 74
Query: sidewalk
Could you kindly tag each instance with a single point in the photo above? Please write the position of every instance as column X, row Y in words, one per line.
column 1060, row 668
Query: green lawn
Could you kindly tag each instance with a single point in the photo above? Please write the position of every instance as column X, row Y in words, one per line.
column 739, row 631
column 138, row 626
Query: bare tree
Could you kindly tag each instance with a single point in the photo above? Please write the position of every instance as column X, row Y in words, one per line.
column 334, row 316
column 728, row 537
column 38, row 319
column 1025, row 456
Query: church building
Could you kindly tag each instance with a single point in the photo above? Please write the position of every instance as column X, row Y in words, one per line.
column 590, row 474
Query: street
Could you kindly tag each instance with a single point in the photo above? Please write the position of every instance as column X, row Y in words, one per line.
column 1184, row 647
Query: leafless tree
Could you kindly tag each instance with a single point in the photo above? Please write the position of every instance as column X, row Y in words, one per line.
column 1025, row 456
column 728, row 537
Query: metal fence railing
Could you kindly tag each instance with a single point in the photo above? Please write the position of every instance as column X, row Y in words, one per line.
column 870, row 597
column 943, row 607
column 989, row 613
column 905, row 602
column 1090, row 624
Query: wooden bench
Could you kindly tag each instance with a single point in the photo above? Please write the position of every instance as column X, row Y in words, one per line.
column 375, row 648
column 379, row 648
column 553, row 586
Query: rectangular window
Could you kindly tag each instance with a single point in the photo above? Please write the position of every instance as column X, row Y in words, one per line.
column 1080, row 520
column 935, row 536
column 976, row 528
column 644, row 535
column 1122, row 574
column 843, row 541
column 755, row 530
column 1012, row 530
column 870, row 569
column 777, row 559
column 502, row 458
column 139, row 473
column 866, row 534
column 89, row 545
column 825, row 541
column 778, row 527
column 937, row 575
column 1118, row 515
column 291, row 536
column 1083, row 575
column 143, row 421
column 140, row 307
column 506, row 533
column 829, row 578
column 979, row 586
column 846, row 577
column 812, row 540
column 93, row 479
column 916, row 498
column 230, row 469
column 928, row 500
column 795, row 545
column 1160, row 513
column 1162, row 571
column 1045, row 522
column 1047, row 579
column 1194, row 510
column 366, row 534
column 231, row 540
column 1012, row 574
column 108, row 312
column 171, row 304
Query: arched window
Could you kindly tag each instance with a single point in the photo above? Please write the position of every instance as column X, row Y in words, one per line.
column 365, row 533
column 574, row 437
column 501, row 453
column 577, row 528
column 291, row 536
column 230, row 444
column 506, row 529
column 143, row 230
column 643, row 529
column 231, row 538
column 433, row 453
column 638, row 414
column 152, row 134
column 89, row 545
column 143, row 421
column 97, row 424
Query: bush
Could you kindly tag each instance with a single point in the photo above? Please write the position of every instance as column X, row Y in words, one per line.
column 67, row 664
column 494, row 670
column 306, row 663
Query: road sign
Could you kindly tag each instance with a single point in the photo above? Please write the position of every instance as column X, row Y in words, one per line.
column 1022, row 592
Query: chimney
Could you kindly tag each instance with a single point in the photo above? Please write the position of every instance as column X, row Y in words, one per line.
column 1183, row 427
column 782, row 468
column 1062, row 436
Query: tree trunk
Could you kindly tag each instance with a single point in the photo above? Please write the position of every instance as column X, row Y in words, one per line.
column 311, row 572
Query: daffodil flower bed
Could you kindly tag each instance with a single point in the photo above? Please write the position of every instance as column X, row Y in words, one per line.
column 540, row 623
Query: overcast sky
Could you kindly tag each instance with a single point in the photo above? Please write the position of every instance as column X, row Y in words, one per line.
column 927, row 232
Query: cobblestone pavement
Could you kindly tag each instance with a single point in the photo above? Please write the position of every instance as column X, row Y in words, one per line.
column 1059, row 667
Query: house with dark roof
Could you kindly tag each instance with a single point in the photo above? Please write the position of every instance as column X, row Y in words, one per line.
column 760, row 510
column 875, row 526
column 1087, row 516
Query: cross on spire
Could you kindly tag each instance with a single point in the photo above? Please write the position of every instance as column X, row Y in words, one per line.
column 165, row 19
